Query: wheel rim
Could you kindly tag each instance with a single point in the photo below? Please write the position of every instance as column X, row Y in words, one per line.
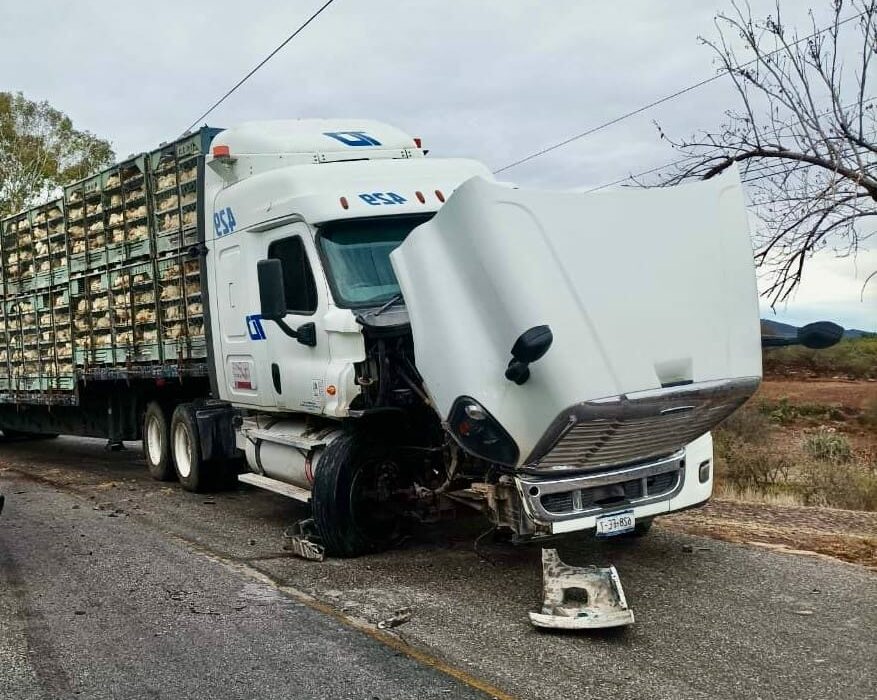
column 154, row 440
column 182, row 451
column 374, row 507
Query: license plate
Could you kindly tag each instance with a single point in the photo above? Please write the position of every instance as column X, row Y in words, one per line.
column 615, row 524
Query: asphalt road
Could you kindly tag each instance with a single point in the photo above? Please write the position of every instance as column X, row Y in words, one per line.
column 116, row 586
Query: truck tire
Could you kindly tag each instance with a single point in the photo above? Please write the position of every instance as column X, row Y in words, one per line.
column 157, row 443
column 352, row 498
column 185, row 447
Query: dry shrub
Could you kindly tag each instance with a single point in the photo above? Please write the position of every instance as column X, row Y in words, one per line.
column 827, row 445
column 851, row 485
column 748, row 425
column 785, row 412
column 868, row 416
column 748, row 467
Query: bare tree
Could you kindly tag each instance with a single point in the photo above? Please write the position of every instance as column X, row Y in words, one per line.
column 40, row 150
column 805, row 135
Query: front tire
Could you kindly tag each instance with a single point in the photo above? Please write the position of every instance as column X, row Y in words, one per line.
column 157, row 443
column 355, row 497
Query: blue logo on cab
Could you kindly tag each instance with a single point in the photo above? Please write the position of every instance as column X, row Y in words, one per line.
column 353, row 138
column 378, row 198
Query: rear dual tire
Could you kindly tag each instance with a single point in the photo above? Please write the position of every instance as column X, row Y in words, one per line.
column 156, row 443
column 194, row 472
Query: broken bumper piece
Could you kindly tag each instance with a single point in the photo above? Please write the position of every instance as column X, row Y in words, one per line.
column 577, row 598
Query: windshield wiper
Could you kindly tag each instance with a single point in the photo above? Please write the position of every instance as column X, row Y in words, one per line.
column 393, row 300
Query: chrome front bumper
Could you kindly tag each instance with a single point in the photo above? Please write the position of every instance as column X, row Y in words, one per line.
column 551, row 500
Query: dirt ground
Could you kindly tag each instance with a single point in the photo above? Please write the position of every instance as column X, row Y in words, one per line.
column 843, row 534
column 847, row 535
column 849, row 394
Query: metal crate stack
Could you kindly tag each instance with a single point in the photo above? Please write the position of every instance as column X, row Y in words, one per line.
column 34, row 253
column 108, row 221
column 105, row 282
column 174, row 176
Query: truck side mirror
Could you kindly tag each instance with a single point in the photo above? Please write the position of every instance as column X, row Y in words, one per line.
column 530, row 346
column 272, row 300
column 820, row 335
column 272, row 296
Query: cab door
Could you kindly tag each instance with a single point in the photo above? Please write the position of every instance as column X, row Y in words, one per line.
column 297, row 372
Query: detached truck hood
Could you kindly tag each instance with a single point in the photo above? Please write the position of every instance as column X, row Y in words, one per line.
column 650, row 296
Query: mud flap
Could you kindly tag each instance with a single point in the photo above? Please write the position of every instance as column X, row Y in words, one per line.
column 602, row 605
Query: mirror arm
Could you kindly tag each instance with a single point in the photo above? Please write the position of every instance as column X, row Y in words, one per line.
column 306, row 334
column 291, row 332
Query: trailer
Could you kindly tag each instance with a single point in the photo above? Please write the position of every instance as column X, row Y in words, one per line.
column 316, row 308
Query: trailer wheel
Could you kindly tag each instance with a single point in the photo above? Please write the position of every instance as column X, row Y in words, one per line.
column 185, row 446
column 157, row 443
column 356, row 500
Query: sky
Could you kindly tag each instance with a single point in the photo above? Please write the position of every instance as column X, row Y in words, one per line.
column 492, row 80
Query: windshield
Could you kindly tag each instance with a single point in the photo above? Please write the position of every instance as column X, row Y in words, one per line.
column 357, row 253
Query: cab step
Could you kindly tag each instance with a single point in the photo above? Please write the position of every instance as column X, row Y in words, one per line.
column 281, row 487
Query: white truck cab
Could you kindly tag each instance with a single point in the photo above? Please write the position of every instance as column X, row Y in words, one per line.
column 394, row 330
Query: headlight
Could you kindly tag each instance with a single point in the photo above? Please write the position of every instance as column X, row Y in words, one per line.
column 480, row 434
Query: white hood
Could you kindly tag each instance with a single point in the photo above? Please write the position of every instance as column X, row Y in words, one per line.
column 641, row 289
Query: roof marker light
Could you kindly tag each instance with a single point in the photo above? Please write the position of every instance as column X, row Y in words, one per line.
column 344, row 204
column 439, row 195
column 420, row 197
column 221, row 152
column 418, row 142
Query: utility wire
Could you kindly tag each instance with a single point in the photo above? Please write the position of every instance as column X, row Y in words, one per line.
column 755, row 168
column 660, row 101
column 261, row 63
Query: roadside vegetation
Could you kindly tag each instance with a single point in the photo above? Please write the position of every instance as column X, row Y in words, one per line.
column 851, row 359
column 810, row 442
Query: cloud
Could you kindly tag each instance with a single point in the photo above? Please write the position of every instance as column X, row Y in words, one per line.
column 832, row 290
column 493, row 80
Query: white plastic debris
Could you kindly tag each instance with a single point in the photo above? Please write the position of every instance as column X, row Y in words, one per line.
column 576, row 598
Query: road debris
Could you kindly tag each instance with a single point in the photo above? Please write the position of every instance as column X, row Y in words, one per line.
column 399, row 617
column 690, row 548
column 299, row 538
column 576, row 597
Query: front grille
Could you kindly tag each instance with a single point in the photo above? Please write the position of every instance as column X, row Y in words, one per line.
column 611, row 495
column 661, row 482
column 558, row 502
column 636, row 427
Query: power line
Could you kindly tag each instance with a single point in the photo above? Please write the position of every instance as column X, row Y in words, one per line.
column 662, row 100
column 715, row 152
column 261, row 63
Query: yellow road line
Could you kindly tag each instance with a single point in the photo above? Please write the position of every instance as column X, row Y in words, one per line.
column 387, row 639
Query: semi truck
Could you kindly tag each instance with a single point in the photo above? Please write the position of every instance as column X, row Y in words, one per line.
column 317, row 308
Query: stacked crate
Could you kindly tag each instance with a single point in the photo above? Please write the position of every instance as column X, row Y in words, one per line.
column 174, row 173
column 111, row 240
column 34, row 254
column 107, row 280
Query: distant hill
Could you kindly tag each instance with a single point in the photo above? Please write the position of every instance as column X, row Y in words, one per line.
column 784, row 330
